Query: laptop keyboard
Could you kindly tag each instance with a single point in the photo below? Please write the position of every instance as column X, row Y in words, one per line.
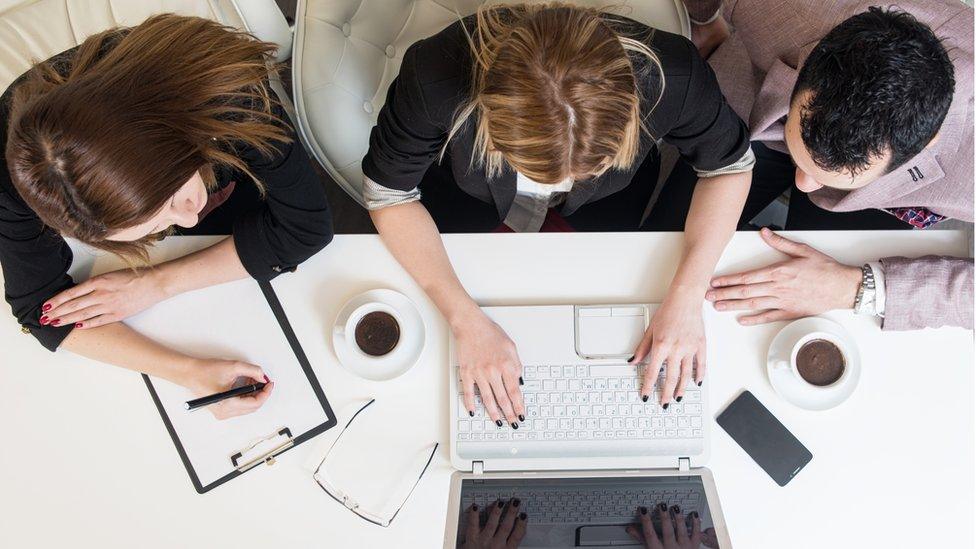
column 588, row 403
column 582, row 505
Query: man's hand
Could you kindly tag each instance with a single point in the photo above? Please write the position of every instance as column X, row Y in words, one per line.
column 807, row 284
column 707, row 38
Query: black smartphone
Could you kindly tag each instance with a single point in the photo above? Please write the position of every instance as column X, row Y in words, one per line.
column 771, row 445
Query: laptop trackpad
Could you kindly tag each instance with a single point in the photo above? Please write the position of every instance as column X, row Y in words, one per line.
column 611, row 331
column 603, row 536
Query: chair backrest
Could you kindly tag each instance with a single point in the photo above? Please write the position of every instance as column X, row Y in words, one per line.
column 33, row 30
column 347, row 52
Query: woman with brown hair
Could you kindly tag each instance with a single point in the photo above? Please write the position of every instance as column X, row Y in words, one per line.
column 165, row 127
column 529, row 115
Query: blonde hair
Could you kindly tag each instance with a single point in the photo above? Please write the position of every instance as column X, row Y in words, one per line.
column 554, row 92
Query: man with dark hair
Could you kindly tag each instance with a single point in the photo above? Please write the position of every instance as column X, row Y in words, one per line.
column 868, row 111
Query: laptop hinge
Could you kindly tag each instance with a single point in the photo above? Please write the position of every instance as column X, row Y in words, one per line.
column 684, row 464
column 477, row 467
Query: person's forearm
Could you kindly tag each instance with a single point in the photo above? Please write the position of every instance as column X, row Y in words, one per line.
column 712, row 219
column 410, row 234
column 120, row 345
column 208, row 267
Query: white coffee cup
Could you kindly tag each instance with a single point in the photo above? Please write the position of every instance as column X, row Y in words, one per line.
column 347, row 329
column 780, row 364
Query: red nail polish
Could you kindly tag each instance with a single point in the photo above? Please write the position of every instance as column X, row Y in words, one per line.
column 45, row 320
column 78, row 325
column 266, row 380
column 46, row 307
column 55, row 322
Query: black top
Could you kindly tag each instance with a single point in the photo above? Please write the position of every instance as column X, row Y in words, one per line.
column 435, row 79
column 289, row 226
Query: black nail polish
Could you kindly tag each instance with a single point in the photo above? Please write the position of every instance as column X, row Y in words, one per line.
column 520, row 381
column 694, row 514
column 643, row 510
column 521, row 417
column 699, row 383
column 675, row 510
column 474, row 507
column 515, row 426
column 662, row 507
column 644, row 398
column 665, row 405
column 516, row 502
column 523, row 516
column 678, row 399
column 501, row 504
column 470, row 413
column 631, row 359
column 498, row 422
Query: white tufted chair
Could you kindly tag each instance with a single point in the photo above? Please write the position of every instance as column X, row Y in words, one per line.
column 347, row 52
column 33, row 30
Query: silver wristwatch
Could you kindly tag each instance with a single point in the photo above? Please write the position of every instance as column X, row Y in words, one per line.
column 866, row 301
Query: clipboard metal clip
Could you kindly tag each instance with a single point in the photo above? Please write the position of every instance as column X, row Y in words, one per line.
column 263, row 450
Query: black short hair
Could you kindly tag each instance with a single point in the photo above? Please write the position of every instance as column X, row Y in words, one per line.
column 880, row 81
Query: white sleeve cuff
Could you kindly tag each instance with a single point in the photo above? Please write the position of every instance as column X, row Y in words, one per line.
column 718, row 13
column 378, row 197
column 879, row 288
column 745, row 163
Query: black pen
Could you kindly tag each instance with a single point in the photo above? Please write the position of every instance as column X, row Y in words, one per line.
column 219, row 397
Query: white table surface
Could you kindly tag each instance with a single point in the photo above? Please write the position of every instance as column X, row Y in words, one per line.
column 85, row 460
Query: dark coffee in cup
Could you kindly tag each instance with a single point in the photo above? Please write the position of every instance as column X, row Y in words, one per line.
column 820, row 362
column 377, row 333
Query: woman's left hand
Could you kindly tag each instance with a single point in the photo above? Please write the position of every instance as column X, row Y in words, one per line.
column 676, row 339
column 104, row 299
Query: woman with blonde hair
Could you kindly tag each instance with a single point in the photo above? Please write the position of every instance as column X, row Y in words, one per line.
column 168, row 126
column 529, row 115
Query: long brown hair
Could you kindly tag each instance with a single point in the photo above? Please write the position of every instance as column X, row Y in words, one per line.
column 554, row 92
column 102, row 140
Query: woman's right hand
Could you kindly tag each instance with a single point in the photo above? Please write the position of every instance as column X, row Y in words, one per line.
column 210, row 376
column 490, row 362
column 674, row 530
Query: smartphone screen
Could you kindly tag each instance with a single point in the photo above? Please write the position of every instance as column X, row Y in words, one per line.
column 764, row 438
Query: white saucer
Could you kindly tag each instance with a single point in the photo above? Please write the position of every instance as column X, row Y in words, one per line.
column 401, row 358
column 793, row 389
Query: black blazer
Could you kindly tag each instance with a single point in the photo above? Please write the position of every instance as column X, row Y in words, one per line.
column 435, row 79
column 291, row 224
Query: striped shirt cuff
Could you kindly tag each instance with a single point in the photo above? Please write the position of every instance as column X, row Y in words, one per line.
column 743, row 164
column 378, row 197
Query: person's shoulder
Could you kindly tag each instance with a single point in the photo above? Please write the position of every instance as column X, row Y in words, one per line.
column 443, row 56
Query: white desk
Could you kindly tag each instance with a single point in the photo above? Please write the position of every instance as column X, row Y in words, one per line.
column 85, row 460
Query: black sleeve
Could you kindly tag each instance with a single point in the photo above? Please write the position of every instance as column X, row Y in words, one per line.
column 706, row 131
column 405, row 140
column 34, row 258
column 293, row 222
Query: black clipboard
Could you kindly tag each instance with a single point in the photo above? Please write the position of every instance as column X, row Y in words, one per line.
column 290, row 439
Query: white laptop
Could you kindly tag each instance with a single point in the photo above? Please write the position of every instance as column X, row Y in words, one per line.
column 590, row 452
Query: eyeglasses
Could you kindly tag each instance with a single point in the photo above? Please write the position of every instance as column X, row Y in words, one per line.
column 322, row 478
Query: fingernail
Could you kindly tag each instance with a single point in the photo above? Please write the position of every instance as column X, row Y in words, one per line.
column 45, row 320
column 631, row 359
column 694, row 514
column 643, row 510
column 665, row 405
column 520, row 381
column 516, row 502
column 699, row 383
column 267, row 379
column 514, row 425
column 78, row 325
column 474, row 507
column 644, row 398
column 501, row 504
column 521, row 417
column 675, row 509
column 498, row 422
column 662, row 507
column 678, row 399
column 56, row 321
column 46, row 307
column 470, row 413
column 720, row 306
column 709, row 296
column 523, row 516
